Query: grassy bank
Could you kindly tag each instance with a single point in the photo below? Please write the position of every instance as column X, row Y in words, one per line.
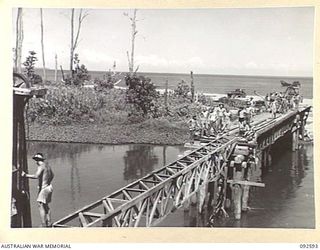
column 145, row 132
column 70, row 114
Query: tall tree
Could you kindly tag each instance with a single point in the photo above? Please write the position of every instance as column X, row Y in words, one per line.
column 75, row 39
column 42, row 47
column 134, row 32
column 19, row 40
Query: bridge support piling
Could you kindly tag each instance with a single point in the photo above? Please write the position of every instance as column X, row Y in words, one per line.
column 264, row 159
column 237, row 197
column 269, row 159
column 258, row 165
column 245, row 197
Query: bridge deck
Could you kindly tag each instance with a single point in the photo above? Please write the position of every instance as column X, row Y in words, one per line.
column 147, row 201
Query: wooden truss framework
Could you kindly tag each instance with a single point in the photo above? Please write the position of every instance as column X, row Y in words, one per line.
column 149, row 200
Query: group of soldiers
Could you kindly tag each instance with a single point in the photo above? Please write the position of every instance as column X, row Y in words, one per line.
column 212, row 121
column 281, row 103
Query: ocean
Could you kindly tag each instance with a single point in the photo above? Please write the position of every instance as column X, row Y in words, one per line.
column 219, row 84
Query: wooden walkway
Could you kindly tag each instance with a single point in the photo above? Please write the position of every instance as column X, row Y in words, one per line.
column 147, row 201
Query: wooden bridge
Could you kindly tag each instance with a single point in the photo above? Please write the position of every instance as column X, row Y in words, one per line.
column 224, row 167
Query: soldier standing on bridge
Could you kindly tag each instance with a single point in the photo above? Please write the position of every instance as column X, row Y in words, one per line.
column 227, row 121
column 193, row 126
column 274, row 108
column 44, row 175
column 220, row 112
column 212, row 121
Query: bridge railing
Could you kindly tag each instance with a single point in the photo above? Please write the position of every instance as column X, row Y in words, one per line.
column 149, row 199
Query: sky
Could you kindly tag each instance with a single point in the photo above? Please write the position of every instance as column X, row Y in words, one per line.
column 259, row 41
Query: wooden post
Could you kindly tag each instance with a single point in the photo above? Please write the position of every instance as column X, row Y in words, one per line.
column 245, row 197
column 56, row 68
column 265, row 158
column 269, row 159
column 192, row 87
column 62, row 73
column 258, row 165
column 166, row 94
column 19, row 160
column 237, row 195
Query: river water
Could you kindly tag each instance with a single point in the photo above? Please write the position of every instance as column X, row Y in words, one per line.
column 85, row 172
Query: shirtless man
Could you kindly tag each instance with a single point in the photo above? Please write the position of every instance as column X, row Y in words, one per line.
column 44, row 175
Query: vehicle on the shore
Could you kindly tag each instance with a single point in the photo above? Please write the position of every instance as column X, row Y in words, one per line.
column 293, row 84
column 237, row 93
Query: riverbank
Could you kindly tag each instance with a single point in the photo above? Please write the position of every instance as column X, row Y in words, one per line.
column 142, row 133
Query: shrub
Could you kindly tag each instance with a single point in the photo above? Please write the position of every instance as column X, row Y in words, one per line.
column 79, row 75
column 141, row 95
column 182, row 89
column 106, row 83
column 64, row 105
column 68, row 104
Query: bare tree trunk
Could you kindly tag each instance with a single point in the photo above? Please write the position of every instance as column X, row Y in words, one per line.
column 75, row 40
column 56, row 68
column 42, row 47
column 19, row 40
column 72, row 43
column 133, row 37
column 192, row 87
column 166, row 95
column 134, row 32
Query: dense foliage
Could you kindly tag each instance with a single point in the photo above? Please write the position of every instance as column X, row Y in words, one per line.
column 108, row 81
column 79, row 75
column 141, row 96
column 182, row 89
column 64, row 105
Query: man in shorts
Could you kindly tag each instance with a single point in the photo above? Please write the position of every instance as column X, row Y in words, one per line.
column 44, row 175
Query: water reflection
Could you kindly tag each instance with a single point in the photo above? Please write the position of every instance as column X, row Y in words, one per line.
column 96, row 170
column 74, row 180
column 139, row 160
column 60, row 151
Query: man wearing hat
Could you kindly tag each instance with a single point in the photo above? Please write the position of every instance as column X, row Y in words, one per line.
column 44, row 175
